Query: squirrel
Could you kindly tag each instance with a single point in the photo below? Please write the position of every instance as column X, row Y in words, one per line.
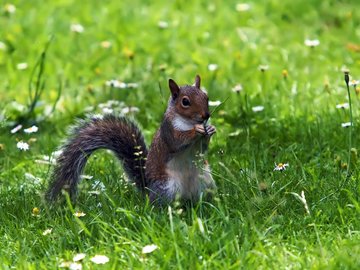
column 169, row 171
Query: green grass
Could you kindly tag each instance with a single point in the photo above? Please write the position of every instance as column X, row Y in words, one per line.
column 255, row 221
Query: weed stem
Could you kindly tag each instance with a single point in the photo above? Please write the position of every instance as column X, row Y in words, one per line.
column 351, row 122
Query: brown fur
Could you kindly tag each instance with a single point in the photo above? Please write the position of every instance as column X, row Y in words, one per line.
column 170, row 165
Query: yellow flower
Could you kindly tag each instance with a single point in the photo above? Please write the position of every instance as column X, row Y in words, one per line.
column 35, row 211
column 285, row 73
column 97, row 71
column 357, row 90
column 128, row 53
column 106, row 44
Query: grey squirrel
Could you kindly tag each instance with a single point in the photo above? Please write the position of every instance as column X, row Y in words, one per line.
column 168, row 171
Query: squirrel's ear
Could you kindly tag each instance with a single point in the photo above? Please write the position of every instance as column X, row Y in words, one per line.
column 174, row 88
column 197, row 81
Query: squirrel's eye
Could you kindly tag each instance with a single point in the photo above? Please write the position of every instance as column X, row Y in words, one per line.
column 185, row 102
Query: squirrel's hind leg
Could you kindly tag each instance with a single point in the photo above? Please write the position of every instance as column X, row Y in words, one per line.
column 160, row 193
column 208, row 186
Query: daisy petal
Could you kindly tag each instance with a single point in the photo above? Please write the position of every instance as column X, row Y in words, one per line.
column 100, row 259
column 79, row 257
column 149, row 248
column 22, row 146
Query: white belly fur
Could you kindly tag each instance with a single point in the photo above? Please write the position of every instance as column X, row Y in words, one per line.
column 188, row 178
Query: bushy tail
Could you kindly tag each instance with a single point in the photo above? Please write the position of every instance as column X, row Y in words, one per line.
column 118, row 134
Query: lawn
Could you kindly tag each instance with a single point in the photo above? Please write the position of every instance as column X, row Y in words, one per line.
column 274, row 71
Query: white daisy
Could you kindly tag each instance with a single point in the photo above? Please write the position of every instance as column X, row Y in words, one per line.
column 345, row 69
column 263, row 68
column 212, row 67
column 342, row 106
column 237, row 88
column 100, row 259
column 32, row 129
column 353, row 82
column 130, row 109
column 242, row 7
column 79, row 257
column 149, row 248
column 116, row 84
column 79, row 214
column 106, row 44
column 23, row 146
column 257, row 108
column 77, row 28
column 132, row 85
column 47, row 231
column 22, row 66
column 281, row 166
column 31, row 178
column 2, row 46
column 163, row 24
column 97, row 116
column 312, row 42
column 214, row 103
column 9, row 8
column 87, row 177
column 65, row 264
column 75, row 266
column 107, row 110
column 16, row 129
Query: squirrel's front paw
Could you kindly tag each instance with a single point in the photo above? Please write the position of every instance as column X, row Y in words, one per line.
column 205, row 130
column 199, row 128
column 210, row 130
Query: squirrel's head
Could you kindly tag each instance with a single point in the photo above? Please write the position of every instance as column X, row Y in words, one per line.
column 189, row 101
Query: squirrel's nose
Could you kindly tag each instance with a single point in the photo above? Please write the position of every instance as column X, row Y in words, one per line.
column 206, row 116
